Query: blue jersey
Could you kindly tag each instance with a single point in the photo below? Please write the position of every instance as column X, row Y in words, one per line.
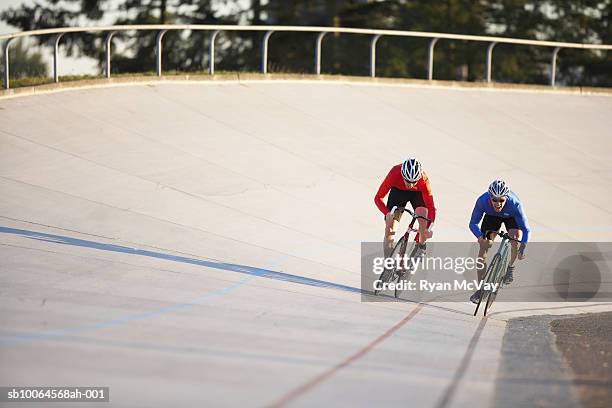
column 512, row 208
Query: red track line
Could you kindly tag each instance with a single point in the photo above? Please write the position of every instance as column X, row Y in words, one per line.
column 349, row 360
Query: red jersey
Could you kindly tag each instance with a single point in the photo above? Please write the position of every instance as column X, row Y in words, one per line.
column 395, row 179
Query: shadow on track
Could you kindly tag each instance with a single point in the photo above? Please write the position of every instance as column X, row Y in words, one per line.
column 461, row 370
column 244, row 269
column 249, row 270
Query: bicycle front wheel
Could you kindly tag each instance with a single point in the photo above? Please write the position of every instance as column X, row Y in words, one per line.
column 388, row 275
column 385, row 277
column 485, row 294
column 498, row 278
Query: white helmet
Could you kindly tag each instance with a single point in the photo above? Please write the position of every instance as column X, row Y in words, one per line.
column 498, row 188
column 411, row 170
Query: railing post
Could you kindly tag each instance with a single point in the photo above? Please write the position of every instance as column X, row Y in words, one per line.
column 318, row 53
column 7, row 83
column 490, row 60
column 158, row 50
column 211, row 52
column 264, row 52
column 432, row 45
column 553, row 66
column 373, row 55
column 56, row 57
column 109, row 39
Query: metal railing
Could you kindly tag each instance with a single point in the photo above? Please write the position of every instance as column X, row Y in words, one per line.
column 269, row 30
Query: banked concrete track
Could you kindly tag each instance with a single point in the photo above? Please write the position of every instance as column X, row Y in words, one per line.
column 198, row 244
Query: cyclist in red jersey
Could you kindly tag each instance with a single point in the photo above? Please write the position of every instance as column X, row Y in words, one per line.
column 406, row 182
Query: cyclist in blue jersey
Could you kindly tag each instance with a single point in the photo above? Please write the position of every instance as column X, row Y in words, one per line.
column 499, row 206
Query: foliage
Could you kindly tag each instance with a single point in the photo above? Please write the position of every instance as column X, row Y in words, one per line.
column 555, row 20
column 24, row 63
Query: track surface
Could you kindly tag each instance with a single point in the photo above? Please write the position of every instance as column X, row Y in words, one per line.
column 193, row 244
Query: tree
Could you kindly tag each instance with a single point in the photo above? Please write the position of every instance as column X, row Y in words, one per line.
column 24, row 63
column 519, row 19
column 556, row 20
column 183, row 51
column 581, row 21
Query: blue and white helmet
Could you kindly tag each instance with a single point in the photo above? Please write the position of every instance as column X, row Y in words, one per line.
column 498, row 188
column 411, row 170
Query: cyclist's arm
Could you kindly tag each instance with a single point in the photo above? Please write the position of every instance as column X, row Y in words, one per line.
column 477, row 214
column 431, row 208
column 428, row 199
column 521, row 220
column 383, row 190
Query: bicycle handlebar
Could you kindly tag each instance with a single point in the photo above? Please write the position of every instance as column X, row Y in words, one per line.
column 415, row 216
column 502, row 234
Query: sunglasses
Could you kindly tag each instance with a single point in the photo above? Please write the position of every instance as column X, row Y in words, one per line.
column 498, row 200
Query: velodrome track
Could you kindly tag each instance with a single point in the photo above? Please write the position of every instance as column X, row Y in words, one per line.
column 198, row 243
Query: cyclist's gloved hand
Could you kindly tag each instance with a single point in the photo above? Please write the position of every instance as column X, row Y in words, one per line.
column 482, row 240
column 430, row 231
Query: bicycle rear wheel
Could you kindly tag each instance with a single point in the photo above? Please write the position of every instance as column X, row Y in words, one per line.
column 408, row 273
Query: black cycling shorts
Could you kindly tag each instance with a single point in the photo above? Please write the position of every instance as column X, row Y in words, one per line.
column 493, row 223
column 399, row 198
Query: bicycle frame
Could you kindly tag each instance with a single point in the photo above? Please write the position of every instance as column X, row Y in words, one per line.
column 504, row 247
column 392, row 275
column 414, row 218
column 495, row 270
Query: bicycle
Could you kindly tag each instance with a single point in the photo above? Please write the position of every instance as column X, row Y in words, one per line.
column 495, row 271
column 395, row 274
